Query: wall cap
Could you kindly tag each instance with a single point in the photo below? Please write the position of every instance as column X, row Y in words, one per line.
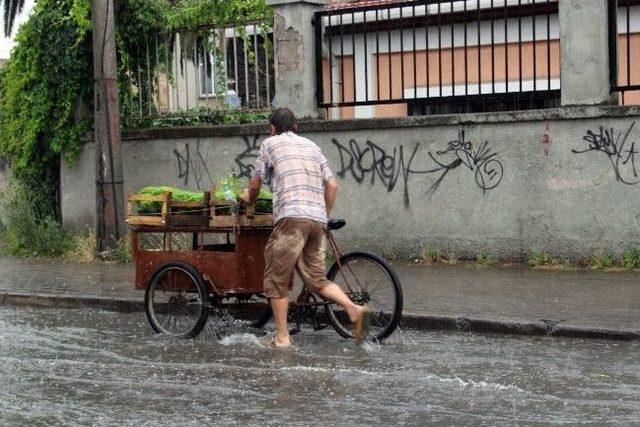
column 309, row 126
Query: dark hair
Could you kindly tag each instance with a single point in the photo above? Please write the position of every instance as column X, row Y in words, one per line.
column 283, row 120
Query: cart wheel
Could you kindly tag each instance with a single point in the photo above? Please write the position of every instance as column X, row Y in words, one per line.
column 176, row 300
column 371, row 281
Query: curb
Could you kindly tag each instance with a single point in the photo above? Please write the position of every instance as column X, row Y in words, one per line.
column 542, row 328
column 64, row 301
column 409, row 320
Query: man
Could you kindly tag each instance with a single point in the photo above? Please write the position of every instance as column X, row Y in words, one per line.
column 304, row 193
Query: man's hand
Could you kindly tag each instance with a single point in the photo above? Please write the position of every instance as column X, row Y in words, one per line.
column 249, row 195
column 330, row 193
column 244, row 196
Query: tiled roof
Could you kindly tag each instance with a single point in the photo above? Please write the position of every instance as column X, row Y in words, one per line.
column 341, row 4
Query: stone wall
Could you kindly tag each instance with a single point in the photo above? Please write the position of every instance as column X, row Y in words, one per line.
column 563, row 180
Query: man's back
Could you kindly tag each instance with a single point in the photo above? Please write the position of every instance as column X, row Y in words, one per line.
column 298, row 171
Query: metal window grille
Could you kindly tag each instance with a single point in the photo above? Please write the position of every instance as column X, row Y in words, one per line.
column 181, row 72
column 624, row 49
column 439, row 56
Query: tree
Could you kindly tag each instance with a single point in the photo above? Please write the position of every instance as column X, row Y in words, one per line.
column 12, row 8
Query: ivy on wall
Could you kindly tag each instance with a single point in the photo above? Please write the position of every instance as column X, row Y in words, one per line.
column 46, row 89
column 43, row 87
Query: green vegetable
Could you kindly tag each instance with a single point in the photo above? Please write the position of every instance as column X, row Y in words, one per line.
column 176, row 194
column 230, row 187
column 227, row 190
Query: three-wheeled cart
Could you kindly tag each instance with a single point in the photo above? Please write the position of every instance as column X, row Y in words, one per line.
column 192, row 262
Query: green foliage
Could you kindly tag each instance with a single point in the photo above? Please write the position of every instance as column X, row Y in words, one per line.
column 176, row 194
column 631, row 258
column 230, row 187
column 48, row 75
column 227, row 189
column 123, row 252
column 29, row 232
column 485, row 259
column 201, row 116
column 49, row 78
column 602, row 260
column 539, row 258
column 430, row 255
column 198, row 21
column 193, row 13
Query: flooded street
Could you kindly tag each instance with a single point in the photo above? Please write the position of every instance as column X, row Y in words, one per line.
column 104, row 368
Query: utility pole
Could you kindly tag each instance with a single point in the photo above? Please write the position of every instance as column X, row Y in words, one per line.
column 109, row 175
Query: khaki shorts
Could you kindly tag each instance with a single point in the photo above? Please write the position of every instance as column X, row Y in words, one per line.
column 295, row 244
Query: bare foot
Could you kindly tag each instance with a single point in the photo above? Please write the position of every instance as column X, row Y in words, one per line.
column 361, row 324
column 280, row 342
column 355, row 313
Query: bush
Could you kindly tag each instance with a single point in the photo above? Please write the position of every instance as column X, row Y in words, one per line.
column 122, row 253
column 602, row 260
column 631, row 258
column 430, row 255
column 539, row 258
column 26, row 230
column 84, row 248
column 484, row 259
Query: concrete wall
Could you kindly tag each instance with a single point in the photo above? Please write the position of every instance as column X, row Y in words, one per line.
column 562, row 180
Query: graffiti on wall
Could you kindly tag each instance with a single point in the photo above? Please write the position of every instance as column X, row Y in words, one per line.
column 371, row 163
column 247, row 158
column 192, row 162
column 618, row 146
column 365, row 162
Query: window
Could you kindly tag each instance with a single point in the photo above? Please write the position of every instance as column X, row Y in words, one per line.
column 206, row 72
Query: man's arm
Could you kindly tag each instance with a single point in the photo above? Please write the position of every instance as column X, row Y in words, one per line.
column 330, row 193
column 251, row 193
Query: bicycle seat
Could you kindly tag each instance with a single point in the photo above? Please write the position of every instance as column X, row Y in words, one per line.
column 336, row 224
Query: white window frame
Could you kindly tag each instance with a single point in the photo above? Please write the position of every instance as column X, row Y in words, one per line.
column 202, row 75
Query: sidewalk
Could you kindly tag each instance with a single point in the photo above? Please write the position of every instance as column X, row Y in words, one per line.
column 513, row 299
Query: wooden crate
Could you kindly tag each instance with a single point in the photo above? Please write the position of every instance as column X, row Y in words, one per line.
column 245, row 218
column 172, row 213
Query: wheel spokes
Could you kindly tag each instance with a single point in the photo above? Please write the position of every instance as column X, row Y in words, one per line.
column 175, row 302
column 369, row 283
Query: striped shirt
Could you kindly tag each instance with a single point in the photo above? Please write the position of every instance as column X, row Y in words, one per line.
column 298, row 170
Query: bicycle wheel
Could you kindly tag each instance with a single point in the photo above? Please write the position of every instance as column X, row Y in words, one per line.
column 366, row 279
column 176, row 300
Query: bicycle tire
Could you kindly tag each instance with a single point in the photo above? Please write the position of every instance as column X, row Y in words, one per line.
column 342, row 324
column 194, row 285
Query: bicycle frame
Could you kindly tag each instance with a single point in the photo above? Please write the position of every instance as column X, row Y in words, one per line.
column 338, row 256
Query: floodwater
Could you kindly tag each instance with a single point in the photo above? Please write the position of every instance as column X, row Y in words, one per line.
column 88, row 367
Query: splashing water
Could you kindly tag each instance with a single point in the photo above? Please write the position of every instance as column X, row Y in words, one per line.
column 89, row 367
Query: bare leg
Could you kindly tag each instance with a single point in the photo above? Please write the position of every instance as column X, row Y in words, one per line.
column 334, row 293
column 280, row 307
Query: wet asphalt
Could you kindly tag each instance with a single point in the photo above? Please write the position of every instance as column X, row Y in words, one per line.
column 593, row 299
column 94, row 367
